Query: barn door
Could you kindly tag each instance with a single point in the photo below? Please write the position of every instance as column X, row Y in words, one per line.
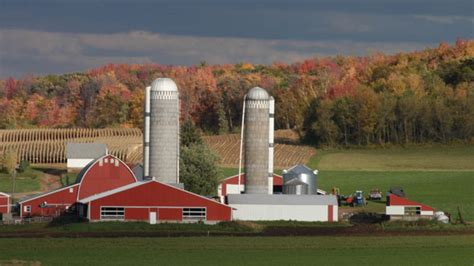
column 152, row 217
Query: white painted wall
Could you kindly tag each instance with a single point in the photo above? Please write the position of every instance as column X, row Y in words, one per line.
column 310, row 213
column 78, row 163
column 335, row 213
column 395, row 210
column 234, row 189
column 400, row 210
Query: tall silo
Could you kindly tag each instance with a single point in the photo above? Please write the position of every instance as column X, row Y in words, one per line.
column 256, row 141
column 163, row 159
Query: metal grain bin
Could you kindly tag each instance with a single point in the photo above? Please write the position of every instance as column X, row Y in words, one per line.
column 300, row 180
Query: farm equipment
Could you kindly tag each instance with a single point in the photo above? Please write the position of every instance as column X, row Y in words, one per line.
column 355, row 199
column 375, row 194
column 358, row 198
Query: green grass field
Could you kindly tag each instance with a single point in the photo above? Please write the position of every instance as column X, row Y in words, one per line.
column 416, row 158
column 400, row 250
column 25, row 182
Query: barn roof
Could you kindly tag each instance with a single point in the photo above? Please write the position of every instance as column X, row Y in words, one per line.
column 281, row 199
column 137, row 184
column 35, row 196
column 111, row 192
column 85, row 150
column 4, row 194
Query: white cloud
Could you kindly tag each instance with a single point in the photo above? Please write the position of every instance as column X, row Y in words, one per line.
column 26, row 51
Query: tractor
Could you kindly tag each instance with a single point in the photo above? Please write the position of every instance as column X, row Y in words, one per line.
column 356, row 199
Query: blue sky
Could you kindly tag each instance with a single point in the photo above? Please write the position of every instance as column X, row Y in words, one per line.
column 62, row 36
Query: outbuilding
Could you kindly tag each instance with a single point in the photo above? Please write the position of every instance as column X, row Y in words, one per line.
column 154, row 202
column 4, row 203
column 79, row 155
column 49, row 204
column 264, row 207
column 404, row 209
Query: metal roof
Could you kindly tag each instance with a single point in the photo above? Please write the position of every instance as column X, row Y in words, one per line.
column 85, row 150
column 257, row 93
column 281, row 199
column 138, row 172
column 45, row 193
column 113, row 191
column 163, row 84
column 300, row 169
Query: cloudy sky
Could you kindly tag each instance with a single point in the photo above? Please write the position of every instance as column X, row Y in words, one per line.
column 54, row 36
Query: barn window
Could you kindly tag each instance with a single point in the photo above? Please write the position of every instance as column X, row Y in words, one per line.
column 112, row 213
column 71, row 190
column 194, row 213
column 27, row 208
column 412, row 210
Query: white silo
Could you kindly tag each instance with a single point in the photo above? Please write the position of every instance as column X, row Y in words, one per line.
column 161, row 136
column 258, row 142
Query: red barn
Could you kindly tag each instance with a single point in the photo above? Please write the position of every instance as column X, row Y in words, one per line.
column 230, row 185
column 51, row 203
column 4, row 203
column 398, row 207
column 153, row 201
column 103, row 174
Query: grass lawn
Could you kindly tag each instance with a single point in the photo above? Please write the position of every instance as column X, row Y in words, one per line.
column 416, row 158
column 406, row 250
column 25, row 182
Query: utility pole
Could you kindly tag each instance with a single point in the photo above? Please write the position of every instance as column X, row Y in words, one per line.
column 14, row 186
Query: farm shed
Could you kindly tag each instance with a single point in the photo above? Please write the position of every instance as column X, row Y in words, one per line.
column 4, row 203
column 402, row 208
column 264, row 207
column 154, row 202
column 79, row 155
column 230, row 185
column 51, row 203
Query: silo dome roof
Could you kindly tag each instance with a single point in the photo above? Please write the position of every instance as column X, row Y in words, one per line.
column 164, row 84
column 258, row 93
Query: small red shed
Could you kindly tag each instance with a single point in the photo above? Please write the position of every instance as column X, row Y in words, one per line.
column 398, row 207
column 51, row 203
column 154, row 202
column 4, row 203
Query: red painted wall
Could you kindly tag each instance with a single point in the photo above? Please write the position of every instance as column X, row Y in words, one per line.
column 330, row 213
column 57, row 202
column 157, row 194
column 100, row 178
column 4, row 201
column 136, row 213
column 170, row 214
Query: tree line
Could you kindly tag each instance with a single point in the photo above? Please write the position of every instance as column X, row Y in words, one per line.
column 416, row 97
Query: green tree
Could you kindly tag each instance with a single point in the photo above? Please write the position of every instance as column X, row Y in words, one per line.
column 198, row 165
column 9, row 161
column 189, row 134
column 198, row 169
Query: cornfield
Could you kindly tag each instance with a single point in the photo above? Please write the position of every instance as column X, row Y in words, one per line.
column 286, row 155
column 48, row 146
